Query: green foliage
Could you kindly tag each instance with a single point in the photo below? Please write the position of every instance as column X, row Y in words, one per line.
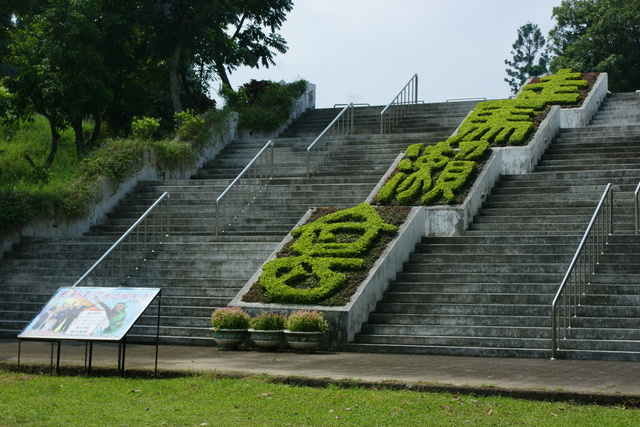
column 268, row 321
column 145, row 127
column 190, row 126
column 263, row 105
column 528, row 58
column 305, row 279
column 346, row 233
column 68, row 189
column 306, row 321
column 413, row 151
column 440, row 172
column 323, row 251
column 600, row 36
column 388, row 191
column 500, row 122
column 561, row 88
column 118, row 159
column 230, row 318
column 171, row 153
column 455, row 175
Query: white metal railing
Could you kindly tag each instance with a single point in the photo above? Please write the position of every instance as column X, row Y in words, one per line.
column 251, row 181
column 325, row 144
column 134, row 245
column 469, row 98
column 574, row 285
column 636, row 205
column 397, row 108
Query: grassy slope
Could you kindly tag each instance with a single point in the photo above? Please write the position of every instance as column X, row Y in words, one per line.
column 205, row 400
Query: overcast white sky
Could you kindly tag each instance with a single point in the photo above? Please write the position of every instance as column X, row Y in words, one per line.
column 364, row 51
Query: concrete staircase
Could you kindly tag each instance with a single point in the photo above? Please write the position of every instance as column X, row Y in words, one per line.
column 489, row 291
column 196, row 270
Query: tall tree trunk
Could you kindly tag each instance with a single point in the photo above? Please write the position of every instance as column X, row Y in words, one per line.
column 95, row 133
column 76, row 124
column 55, row 140
column 222, row 73
column 173, row 78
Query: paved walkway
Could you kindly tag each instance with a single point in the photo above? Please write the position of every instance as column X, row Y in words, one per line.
column 584, row 379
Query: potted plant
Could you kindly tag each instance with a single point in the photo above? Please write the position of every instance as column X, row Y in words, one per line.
column 304, row 329
column 229, row 326
column 267, row 330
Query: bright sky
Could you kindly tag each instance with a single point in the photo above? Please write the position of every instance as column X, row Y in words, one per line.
column 365, row 51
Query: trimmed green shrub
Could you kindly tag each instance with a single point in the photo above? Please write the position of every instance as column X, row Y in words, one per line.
column 305, row 279
column 324, row 250
column 357, row 228
column 306, row 321
column 268, row 321
column 388, row 191
column 413, row 151
column 452, row 179
column 501, row 122
column 414, row 185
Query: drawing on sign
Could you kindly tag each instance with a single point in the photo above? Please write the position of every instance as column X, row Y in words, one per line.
column 90, row 313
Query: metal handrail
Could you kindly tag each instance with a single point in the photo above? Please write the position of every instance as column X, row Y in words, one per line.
column 244, row 187
column 341, row 125
column 407, row 96
column 636, row 205
column 469, row 98
column 574, row 285
column 122, row 249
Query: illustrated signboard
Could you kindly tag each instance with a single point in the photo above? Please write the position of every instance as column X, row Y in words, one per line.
column 90, row 313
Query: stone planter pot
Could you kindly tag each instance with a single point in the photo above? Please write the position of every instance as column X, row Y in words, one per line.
column 305, row 341
column 229, row 339
column 267, row 339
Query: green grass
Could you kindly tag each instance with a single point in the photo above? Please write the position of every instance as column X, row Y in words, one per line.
column 32, row 400
column 33, row 139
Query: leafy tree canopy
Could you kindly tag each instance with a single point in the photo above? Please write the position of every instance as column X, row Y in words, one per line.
column 69, row 60
column 598, row 35
column 529, row 60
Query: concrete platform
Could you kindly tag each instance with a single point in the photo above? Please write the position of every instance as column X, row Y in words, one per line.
column 588, row 381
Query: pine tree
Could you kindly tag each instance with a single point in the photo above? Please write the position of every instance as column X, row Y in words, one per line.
column 529, row 60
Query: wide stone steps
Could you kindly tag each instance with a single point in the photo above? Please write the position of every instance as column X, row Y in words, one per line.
column 197, row 270
column 489, row 291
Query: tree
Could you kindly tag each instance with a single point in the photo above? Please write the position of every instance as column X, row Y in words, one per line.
column 248, row 44
column 529, row 60
column 598, row 35
column 70, row 60
column 204, row 35
column 59, row 70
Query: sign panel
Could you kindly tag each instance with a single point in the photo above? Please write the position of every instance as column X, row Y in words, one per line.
column 90, row 313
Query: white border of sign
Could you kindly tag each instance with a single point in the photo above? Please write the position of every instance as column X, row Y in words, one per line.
column 90, row 314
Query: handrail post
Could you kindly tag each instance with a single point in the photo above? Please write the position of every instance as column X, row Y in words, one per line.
column 344, row 119
column 635, row 199
column 402, row 101
column 256, row 178
column 584, row 262
column 554, row 337
column 117, row 246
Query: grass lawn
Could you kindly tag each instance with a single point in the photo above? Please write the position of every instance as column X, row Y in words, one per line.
column 43, row 400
